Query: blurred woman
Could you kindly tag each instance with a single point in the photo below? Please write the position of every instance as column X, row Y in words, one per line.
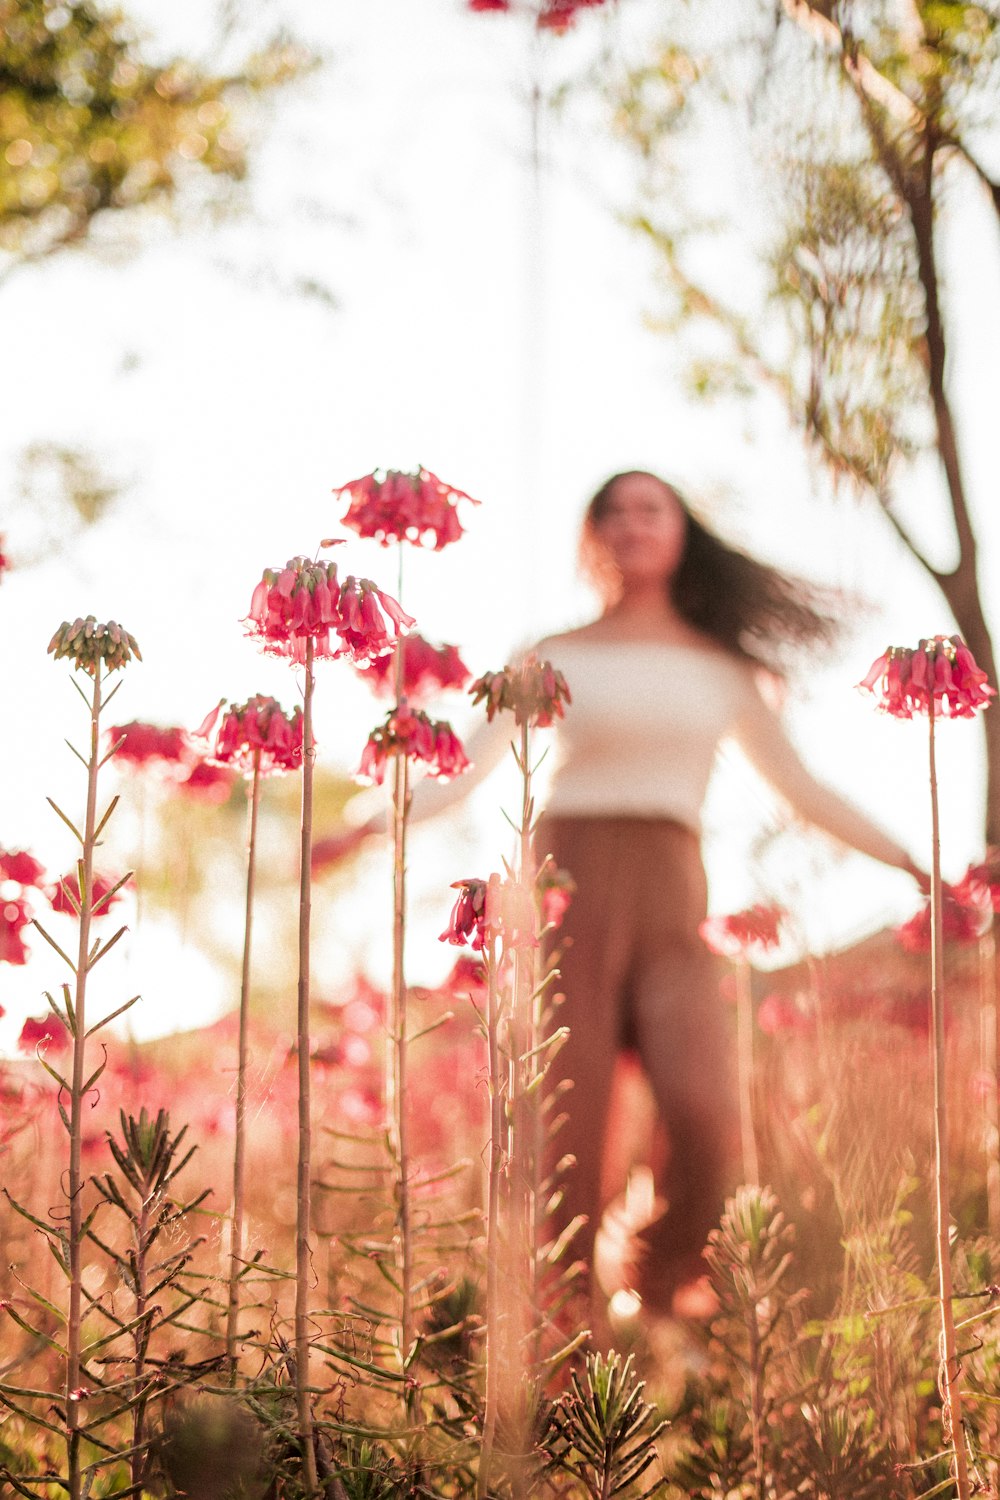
column 669, row 667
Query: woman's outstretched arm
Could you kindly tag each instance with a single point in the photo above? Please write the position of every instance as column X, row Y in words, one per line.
column 762, row 737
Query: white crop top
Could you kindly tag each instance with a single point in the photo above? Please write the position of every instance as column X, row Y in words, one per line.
column 640, row 739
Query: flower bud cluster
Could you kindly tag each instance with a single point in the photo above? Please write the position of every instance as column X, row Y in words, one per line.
column 534, row 691
column 427, row 671
column 404, row 507
column 88, row 644
column 306, row 599
column 739, row 933
column 411, row 732
column 258, row 732
column 941, row 674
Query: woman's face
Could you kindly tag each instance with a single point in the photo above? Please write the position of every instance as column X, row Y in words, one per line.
column 643, row 529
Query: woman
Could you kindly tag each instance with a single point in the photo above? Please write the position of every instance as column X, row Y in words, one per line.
column 668, row 668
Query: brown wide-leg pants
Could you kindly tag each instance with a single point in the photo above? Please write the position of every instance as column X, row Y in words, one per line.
column 635, row 973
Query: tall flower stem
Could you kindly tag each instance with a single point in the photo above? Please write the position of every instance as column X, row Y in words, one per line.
column 988, row 1065
column 493, row 1245
column 745, row 1070
column 527, row 1118
column 84, row 962
column 239, row 1148
column 396, row 1082
column 302, row 1224
column 398, row 1056
column 951, row 1376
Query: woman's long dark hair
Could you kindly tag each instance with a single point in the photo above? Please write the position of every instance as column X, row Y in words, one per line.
column 752, row 610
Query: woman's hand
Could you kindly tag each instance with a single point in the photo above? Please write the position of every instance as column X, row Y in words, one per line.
column 920, row 876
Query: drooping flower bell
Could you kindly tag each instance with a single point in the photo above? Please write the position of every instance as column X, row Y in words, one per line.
column 65, row 894
column 757, row 928
column 44, row 1031
column 88, row 645
column 960, row 923
column 550, row 15
column 980, row 885
column 15, row 915
column 258, row 731
column 404, row 506
column 411, row 732
column 556, row 888
column 467, row 923
column 941, row 672
column 208, row 783
column 306, row 599
column 150, row 744
column 22, row 868
column 427, row 671
column 534, row 691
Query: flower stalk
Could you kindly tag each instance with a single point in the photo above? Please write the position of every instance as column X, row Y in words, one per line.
column 239, row 1147
column 495, row 1188
column 303, row 1184
column 951, row 1373
column 745, row 1071
column 78, row 1025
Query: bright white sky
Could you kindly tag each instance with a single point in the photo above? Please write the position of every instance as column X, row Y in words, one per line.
column 397, row 177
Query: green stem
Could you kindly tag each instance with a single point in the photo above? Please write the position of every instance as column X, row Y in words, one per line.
column 239, row 1148
column 75, row 1247
column 745, row 1069
column 302, row 1226
column 396, row 1081
column 398, row 1061
column 493, row 1247
column 988, row 1066
column 951, row 1372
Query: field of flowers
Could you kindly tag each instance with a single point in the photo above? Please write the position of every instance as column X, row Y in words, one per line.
column 310, row 1254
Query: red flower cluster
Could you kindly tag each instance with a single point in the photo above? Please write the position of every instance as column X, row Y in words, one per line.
column 146, row 744
column 553, row 15
column 757, row 927
column 467, row 923
column 941, row 673
column 960, row 923
column 487, row 909
column 411, row 732
column 14, row 917
column 65, row 895
column 306, row 599
column 535, row 692
column 556, row 889
column 258, row 731
column 4, row 559
column 20, row 867
column 88, row 644
column 404, row 507
column 49, row 1030
column 980, row 885
column 208, row 783
column 777, row 1014
column 427, row 670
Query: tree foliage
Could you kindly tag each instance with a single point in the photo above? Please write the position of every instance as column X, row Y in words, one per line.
column 866, row 120
column 87, row 123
